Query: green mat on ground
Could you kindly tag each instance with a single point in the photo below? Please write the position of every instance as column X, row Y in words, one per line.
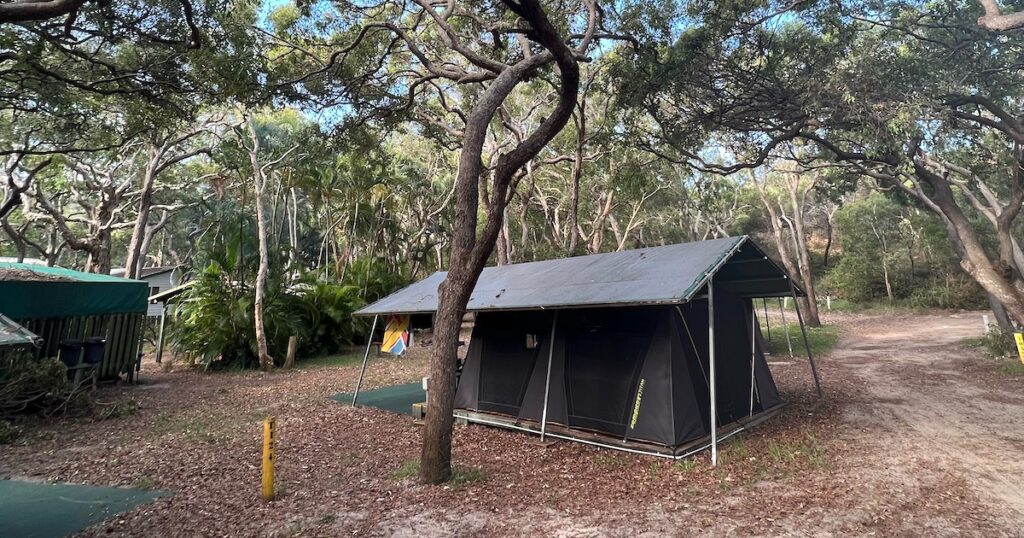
column 396, row 398
column 35, row 509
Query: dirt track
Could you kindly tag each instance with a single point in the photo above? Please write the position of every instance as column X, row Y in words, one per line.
column 934, row 401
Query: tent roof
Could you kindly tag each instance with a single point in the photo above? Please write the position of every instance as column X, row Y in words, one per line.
column 670, row 274
column 167, row 295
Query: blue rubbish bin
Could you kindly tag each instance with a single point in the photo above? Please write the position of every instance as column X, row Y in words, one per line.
column 93, row 352
column 70, row 352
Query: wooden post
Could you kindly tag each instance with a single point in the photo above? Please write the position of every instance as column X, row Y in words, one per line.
column 269, row 426
column 160, row 338
column 289, row 360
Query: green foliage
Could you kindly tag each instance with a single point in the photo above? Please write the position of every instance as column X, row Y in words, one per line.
column 460, row 475
column 372, row 279
column 821, row 339
column 408, row 469
column 331, row 326
column 216, row 319
column 884, row 241
column 686, row 465
column 996, row 343
column 806, row 449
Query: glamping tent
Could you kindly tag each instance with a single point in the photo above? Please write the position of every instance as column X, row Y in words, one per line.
column 655, row 350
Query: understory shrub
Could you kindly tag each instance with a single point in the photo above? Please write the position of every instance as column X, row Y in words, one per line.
column 997, row 343
column 40, row 387
column 215, row 321
column 28, row 385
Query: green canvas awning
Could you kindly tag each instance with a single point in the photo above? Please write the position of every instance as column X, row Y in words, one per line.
column 32, row 291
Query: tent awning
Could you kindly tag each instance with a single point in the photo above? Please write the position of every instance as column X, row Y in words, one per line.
column 31, row 291
column 670, row 274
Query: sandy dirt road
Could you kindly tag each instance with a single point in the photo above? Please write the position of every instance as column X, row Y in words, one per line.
column 932, row 398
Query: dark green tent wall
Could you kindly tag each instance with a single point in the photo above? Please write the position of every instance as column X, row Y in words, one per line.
column 636, row 374
column 76, row 294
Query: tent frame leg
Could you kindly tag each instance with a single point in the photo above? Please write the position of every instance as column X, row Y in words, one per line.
column 767, row 322
column 753, row 352
column 807, row 345
column 547, row 378
column 785, row 328
column 366, row 358
column 711, row 374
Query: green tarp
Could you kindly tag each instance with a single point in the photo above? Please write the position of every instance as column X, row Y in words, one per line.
column 32, row 291
column 397, row 398
column 33, row 509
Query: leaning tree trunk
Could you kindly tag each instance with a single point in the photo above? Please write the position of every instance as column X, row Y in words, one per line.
column 470, row 253
column 974, row 260
column 134, row 263
column 810, row 303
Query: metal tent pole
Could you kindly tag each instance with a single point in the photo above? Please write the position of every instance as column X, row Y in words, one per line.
column 785, row 328
column 366, row 357
column 160, row 338
column 547, row 379
column 767, row 322
column 711, row 375
column 807, row 345
column 753, row 352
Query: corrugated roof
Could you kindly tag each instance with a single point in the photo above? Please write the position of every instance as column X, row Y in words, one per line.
column 669, row 274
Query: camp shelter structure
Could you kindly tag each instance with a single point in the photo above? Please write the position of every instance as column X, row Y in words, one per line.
column 655, row 350
column 60, row 304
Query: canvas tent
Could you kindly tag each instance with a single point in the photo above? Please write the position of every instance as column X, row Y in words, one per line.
column 652, row 350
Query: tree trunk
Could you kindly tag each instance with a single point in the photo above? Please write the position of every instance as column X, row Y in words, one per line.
column 577, row 173
column 260, row 185
column 16, row 237
column 470, row 253
column 266, row 361
column 811, row 317
column 885, row 277
column 973, row 258
column 289, row 359
column 133, row 264
column 999, row 313
column 99, row 254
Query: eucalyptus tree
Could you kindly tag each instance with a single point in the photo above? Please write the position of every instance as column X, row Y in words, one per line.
column 915, row 95
column 403, row 57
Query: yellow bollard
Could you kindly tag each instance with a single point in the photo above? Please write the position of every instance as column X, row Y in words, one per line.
column 1019, row 337
column 268, row 458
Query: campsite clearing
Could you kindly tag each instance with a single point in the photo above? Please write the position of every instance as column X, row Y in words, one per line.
column 918, row 436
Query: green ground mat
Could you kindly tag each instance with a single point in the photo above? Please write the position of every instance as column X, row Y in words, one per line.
column 35, row 509
column 396, row 398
